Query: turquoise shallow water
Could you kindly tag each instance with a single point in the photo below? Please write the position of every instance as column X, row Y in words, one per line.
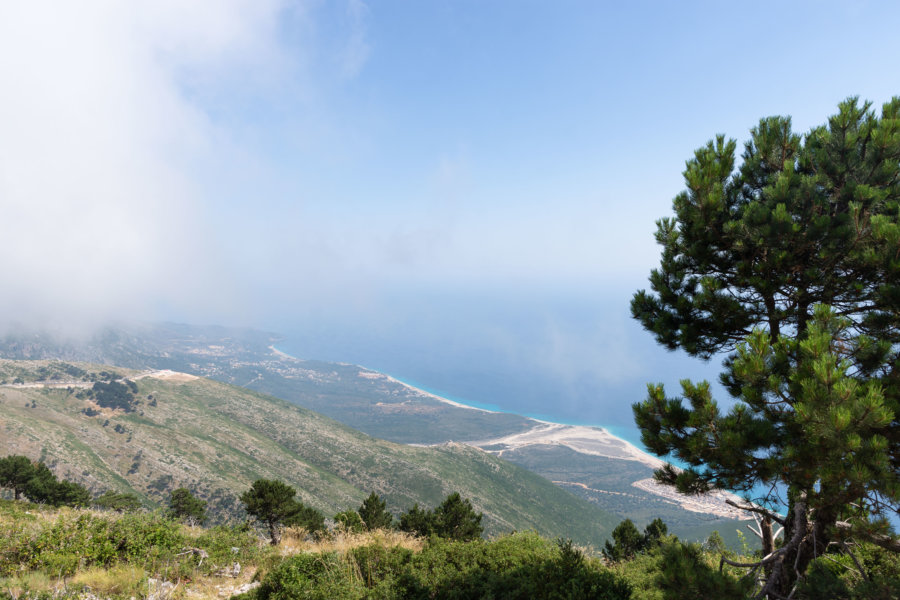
column 629, row 434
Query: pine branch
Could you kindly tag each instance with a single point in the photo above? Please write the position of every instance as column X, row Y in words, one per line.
column 759, row 510
column 881, row 540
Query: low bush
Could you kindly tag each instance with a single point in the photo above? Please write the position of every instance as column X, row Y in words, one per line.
column 677, row 571
column 838, row 576
column 319, row 576
column 226, row 544
column 83, row 540
column 517, row 566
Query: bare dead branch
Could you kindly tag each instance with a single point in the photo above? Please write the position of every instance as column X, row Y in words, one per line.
column 758, row 510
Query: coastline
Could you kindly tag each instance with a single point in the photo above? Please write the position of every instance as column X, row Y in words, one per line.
column 586, row 439
column 591, row 439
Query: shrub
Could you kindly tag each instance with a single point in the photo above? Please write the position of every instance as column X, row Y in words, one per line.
column 319, row 576
column 226, row 544
column 837, row 576
column 687, row 575
column 380, row 566
column 110, row 500
column 87, row 540
column 517, row 566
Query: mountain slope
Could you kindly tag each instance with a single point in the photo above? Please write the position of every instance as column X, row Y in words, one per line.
column 606, row 471
column 217, row 438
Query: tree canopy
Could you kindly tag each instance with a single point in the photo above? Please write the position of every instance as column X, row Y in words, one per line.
column 119, row 502
column 454, row 518
column 183, row 505
column 789, row 266
column 272, row 502
column 628, row 541
column 15, row 472
column 374, row 513
column 39, row 484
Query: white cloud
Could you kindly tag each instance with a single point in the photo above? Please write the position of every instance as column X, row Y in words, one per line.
column 100, row 212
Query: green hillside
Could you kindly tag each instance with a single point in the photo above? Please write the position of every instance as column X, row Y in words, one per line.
column 369, row 402
column 216, row 439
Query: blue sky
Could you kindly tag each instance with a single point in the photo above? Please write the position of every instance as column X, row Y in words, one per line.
column 461, row 192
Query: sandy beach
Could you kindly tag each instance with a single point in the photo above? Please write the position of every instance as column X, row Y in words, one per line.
column 584, row 439
column 594, row 441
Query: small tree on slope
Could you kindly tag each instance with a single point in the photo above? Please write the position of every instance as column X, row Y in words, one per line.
column 374, row 514
column 15, row 471
column 789, row 264
column 271, row 502
column 183, row 505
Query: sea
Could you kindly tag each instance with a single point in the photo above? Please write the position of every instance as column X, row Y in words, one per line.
column 498, row 391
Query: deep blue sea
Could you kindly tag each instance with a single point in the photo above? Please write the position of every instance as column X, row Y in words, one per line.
column 570, row 360
column 495, row 390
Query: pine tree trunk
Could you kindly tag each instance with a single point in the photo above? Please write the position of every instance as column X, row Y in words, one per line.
column 274, row 533
column 783, row 575
column 768, row 541
column 805, row 539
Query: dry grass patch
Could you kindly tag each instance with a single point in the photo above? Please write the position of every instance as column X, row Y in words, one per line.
column 33, row 581
column 295, row 540
column 121, row 580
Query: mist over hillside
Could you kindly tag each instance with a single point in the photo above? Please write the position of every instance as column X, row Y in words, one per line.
column 572, row 356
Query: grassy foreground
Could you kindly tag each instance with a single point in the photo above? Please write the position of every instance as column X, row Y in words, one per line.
column 92, row 555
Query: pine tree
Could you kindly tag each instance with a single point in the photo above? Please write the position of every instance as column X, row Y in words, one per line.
column 183, row 505
column 790, row 266
column 418, row 521
column 271, row 502
column 44, row 488
column 374, row 514
column 626, row 542
column 306, row 517
column 456, row 519
column 15, row 471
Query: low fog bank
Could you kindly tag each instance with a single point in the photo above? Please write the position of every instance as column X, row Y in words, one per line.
column 564, row 354
column 568, row 356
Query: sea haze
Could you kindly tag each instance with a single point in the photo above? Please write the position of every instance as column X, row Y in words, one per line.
column 573, row 358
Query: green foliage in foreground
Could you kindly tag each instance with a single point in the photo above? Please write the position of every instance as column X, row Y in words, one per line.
column 71, row 541
column 65, row 544
column 628, row 541
column 519, row 566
